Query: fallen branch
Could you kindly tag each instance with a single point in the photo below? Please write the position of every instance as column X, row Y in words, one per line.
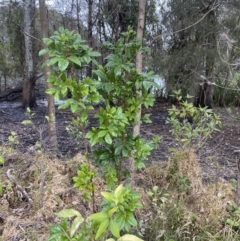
column 18, row 186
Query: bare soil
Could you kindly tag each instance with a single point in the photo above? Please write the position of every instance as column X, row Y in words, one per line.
column 216, row 157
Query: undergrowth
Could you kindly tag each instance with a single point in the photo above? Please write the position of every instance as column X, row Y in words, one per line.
column 184, row 208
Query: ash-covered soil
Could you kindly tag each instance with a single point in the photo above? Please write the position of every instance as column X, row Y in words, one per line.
column 216, row 157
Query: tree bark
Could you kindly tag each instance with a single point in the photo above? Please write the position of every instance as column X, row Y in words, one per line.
column 90, row 35
column 29, row 99
column 51, row 105
column 139, row 66
column 139, row 58
column 78, row 18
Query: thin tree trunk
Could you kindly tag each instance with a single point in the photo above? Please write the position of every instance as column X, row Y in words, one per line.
column 29, row 99
column 139, row 58
column 78, row 18
column 139, row 66
column 51, row 105
column 90, row 35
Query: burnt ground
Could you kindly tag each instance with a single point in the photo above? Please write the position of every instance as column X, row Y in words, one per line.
column 216, row 157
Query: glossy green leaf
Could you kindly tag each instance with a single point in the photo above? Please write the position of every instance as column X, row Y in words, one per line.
column 63, row 64
column 50, row 91
column 102, row 228
column 43, row 51
column 52, row 61
column 99, row 217
column 112, row 211
column 68, row 213
column 114, row 228
column 75, row 60
column 47, row 41
column 132, row 221
column 108, row 196
column 102, row 133
column 108, row 139
column 118, row 191
column 74, row 108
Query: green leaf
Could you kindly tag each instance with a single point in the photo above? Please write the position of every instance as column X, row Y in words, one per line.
column 63, row 64
column 47, row 41
column 1, row 160
column 118, row 191
column 75, row 60
column 55, row 236
column 94, row 54
column 102, row 228
column 74, row 108
column 43, row 51
column 129, row 237
column 102, row 133
column 68, row 213
column 108, row 196
column 112, row 211
column 99, row 217
column 87, row 59
column 52, row 61
column 108, row 139
column 1, row 189
column 132, row 221
column 75, row 225
column 114, row 228
column 117, row 71
column 27, row 122
column 50, row 91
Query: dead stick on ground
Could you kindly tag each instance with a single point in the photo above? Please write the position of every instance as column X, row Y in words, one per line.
column 18, row 186
column 41, row 184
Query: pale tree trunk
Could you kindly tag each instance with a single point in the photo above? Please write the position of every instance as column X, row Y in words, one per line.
column 29, row 99
column 51, row 105
column 139, row 58
column 139, row 66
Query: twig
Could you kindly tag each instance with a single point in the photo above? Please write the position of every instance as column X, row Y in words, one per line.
column 41, row 184
column 18, row 186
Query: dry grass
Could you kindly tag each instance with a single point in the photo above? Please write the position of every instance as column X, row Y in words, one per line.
column 204, row 203
column 202, row 208
column 32, row 222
